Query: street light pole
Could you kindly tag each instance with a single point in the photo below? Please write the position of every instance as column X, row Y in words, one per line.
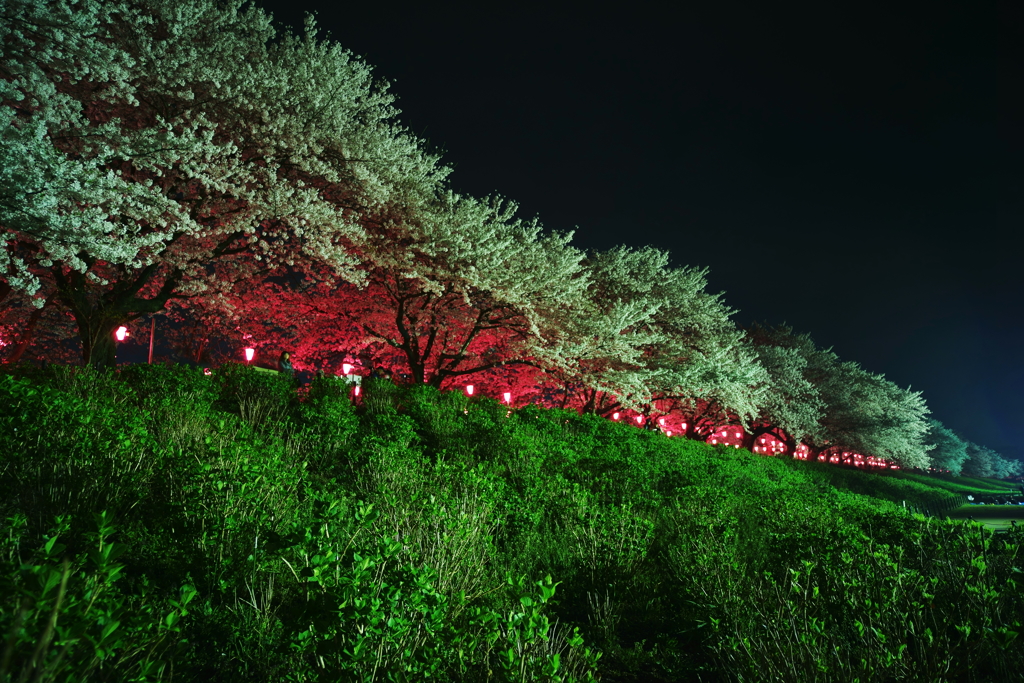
column 152, row 330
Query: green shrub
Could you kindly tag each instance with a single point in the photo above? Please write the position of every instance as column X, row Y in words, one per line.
column 71, row 618
column 388, row 537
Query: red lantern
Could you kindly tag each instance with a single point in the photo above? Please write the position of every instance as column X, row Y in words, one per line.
column 508, row 397
column 249, row 353
column 121, row 333
column 469, row 390
column 346, row 368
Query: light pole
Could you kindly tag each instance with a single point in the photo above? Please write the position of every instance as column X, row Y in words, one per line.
column 152, row 331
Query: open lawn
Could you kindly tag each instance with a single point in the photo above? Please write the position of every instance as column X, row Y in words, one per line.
column 994, row 517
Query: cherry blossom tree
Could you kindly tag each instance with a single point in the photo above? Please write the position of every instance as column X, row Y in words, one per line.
column 948, row 450
column 455, row 287
column 984, row 462
column 647, row 335
column 170, row 149
column 791, row 407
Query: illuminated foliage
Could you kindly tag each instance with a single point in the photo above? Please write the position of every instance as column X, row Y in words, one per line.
column 648, row 333
column 791, row 407
column 948, row 451
column 172, row 149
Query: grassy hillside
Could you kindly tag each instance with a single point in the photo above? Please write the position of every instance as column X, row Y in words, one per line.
column 223, row 525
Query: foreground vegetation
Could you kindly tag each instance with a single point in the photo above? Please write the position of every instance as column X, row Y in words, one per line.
column 159, row 524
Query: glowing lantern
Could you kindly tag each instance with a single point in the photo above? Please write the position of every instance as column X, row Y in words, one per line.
column 661, row 420
column 668, row 433
column 346, row 368
column 684, row 425
column 207, row 371
column 121, row 333
column 714, row 441
column 508, row 397
column 469, row 390
column 639, row 419
column 615, row 416
column 249, row 353
column 357, row 390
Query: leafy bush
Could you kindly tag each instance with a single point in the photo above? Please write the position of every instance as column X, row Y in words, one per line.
column 72, row 619
column 389, row 537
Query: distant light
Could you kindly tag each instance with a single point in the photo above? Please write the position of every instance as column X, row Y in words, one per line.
column 508, row 396
column 762, row 439
column 668, row 433
column 357, row 390
column 249, row 353
column 615, row 416
column 714, row 441
column 639, row 419
column 661, row 420
column 346, row 368
column 121, row 333
column 469, row 390
column 207, row 371
column 684, row 426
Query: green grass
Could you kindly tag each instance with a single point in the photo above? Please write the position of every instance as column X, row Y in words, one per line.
column 964, row 485
column 250, row 536
column 993, row 517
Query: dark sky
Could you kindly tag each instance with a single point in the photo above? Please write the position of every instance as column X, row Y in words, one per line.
column 850, row 169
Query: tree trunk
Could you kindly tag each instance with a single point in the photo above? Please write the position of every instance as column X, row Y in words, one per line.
column 790, row 444
column 28, row 333
column 814, row 451
column 97, row 334
column 99, row 313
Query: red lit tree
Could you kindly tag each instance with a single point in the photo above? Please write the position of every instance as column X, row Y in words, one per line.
column 175, row 150
column 454, row 288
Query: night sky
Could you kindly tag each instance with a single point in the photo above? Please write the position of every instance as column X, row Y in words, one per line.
column 838, row 166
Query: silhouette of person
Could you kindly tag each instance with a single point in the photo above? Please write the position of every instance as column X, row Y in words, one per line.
column 284, row 364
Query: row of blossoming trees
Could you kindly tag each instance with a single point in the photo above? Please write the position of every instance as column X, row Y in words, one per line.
column 185, row 159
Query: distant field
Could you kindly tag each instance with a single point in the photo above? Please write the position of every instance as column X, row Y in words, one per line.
column 994, row 517
column 962, row 484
